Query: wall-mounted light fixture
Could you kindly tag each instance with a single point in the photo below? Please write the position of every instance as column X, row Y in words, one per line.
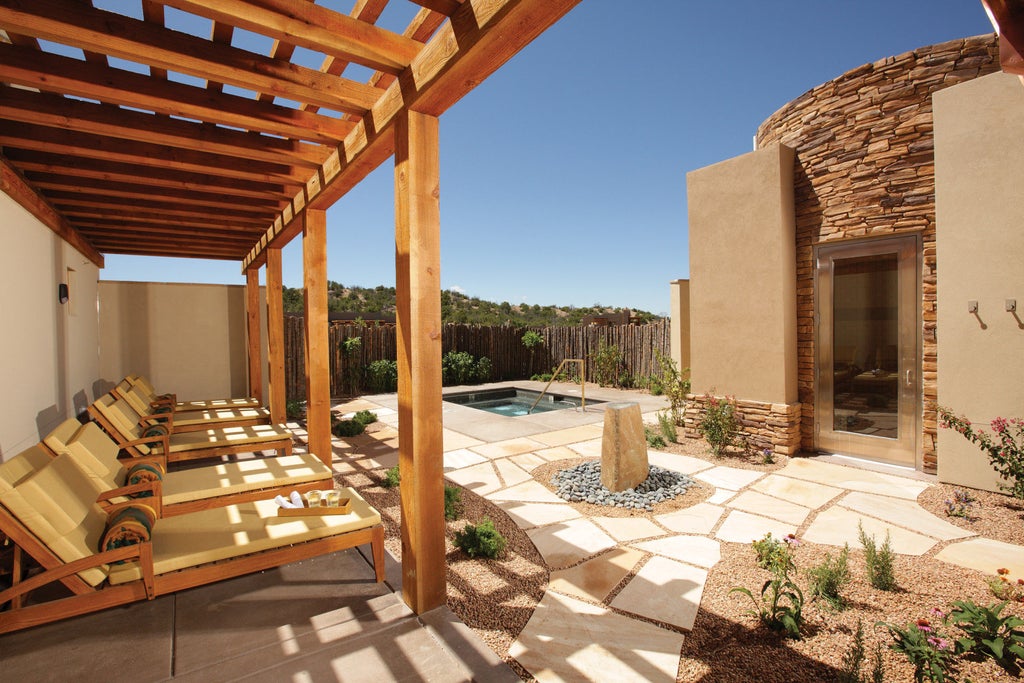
column 62, row 293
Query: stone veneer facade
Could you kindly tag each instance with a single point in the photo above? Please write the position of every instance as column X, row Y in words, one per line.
column 760, row 425
column 865, row 168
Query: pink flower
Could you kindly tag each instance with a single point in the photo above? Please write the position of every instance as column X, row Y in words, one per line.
column 999, row 425
column 938, row 643
column 937, row 613
column 924, row 625
column 792, row 539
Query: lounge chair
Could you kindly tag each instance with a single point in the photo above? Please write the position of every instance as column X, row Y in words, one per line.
column 146, row 388
column 189, row 420
column 196, row 488
column 121, row 422
column 51, row 514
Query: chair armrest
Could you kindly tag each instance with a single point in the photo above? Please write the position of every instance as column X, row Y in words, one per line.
column 155, row 501
column 162, row 440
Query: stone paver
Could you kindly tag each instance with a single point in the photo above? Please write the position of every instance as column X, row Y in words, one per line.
column 566, row 543
column 838, row 526
column 743, row 527
column 503, row 449
column 528, row 491
column 721, row 496
column 564, row 437
column 677, row 462
column 453, row 440
column 697, row 519
column 528, row 461
column 853, row 479
column 595, row 579
column 697, row 550
column 769, row 506
column 480, row 479
column 462, row 457
column 806, row 493
column 731, row 478
column 986, row 555
column 556, row 453
column 571, row 640
column 625, row 529
column 511, row 473
column 530, row 515
column 587, row 449
column 664, row 590
column 905, row 513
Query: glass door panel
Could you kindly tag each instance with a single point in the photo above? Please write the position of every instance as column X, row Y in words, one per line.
column 867, row 398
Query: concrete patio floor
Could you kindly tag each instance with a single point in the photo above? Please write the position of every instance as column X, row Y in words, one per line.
column 326, row 620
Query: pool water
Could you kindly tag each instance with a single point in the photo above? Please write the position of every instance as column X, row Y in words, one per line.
column 514, row 402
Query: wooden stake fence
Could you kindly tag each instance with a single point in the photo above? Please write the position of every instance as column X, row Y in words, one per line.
column 503, row 345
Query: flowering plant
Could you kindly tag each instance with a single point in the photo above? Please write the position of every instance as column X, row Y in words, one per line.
column 929, row 652
column 781, row 604
column 1003, row 588
column 1005, row 448
column 988, row 634
column 718, row 424
column 961, row 504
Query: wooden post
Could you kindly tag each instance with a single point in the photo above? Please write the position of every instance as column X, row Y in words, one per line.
column 255, row 338
column 418, row 280
column 275, row 337
column 318, row 366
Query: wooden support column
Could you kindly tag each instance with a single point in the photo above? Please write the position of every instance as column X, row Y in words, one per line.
column 275, row 337
column 418, row 280
column 318, row 368
column 255, row 338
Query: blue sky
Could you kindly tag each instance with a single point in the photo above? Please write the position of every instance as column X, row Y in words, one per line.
column 563, row 175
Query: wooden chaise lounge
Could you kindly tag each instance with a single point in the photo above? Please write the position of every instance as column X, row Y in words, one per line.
column 146, row 388
column 189, row 420
column 52, row 515
column 196, row 488
column 123, row 425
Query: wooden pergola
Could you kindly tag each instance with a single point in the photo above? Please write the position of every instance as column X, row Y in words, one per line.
column 127, row 136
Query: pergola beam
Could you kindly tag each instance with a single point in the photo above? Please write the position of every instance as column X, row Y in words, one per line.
column 1007, row 18
column 481, row 36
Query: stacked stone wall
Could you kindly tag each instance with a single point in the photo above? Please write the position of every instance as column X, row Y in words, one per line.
column 865, row 167
column 760, row 425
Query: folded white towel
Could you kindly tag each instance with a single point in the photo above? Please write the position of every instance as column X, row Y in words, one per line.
column 283, row 502
column 296, row 499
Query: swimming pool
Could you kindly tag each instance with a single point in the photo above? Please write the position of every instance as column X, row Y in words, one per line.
column 515, row 402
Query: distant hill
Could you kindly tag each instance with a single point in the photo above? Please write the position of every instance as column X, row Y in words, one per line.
column 456, row 307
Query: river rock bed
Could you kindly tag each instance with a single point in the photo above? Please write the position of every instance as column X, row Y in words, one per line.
column 582, row 484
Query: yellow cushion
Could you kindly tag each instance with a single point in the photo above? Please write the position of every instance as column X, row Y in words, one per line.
column 227, row 436
column 194, row 417
column 96, row 452
column 57, row 440
column 198, row 483
column 222, row 533
column 57, row 504
column 22, row 466
column 122, row 418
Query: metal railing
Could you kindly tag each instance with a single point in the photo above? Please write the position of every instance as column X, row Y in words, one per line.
column 583, row 383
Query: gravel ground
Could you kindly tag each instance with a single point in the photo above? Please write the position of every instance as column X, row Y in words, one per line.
column 497, row 597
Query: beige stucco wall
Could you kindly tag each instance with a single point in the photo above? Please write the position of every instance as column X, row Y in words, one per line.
column 743, row 277
column 979, row 164
column 49, row 351
column 189, row 339
column 679, row 312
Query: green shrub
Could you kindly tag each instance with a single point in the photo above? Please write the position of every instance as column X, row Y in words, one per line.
column 675, row 385
column 854, row 660
column 350, row 375
column 668, row 427
column 780, row 607
column 343, row 428
column 365, row 417
column 542, row 377
column 987, row 634
column 608, row 365
column 459, row 367
column 452, row 502
column 382, row 376
column 531, row 340
column 829, row 578
column 294, row 409
column 718, row 424
column 879, row 561
column 482, row 540
column 392, row 478
column 654, row 438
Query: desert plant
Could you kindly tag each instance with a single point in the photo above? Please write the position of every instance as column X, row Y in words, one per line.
column 961, row 504
column 459, row 367
column 392, row 478
column 780, row 606
column 931, row 654
column 1005, row 450
column 668, row 426
column 343, row 428
column 608, row 365
column 382, row 376
column 767, row 456
column 294, row 409
column 482, row 540
column 452, row 502
column 531, row 340
column 988, row 634
column 365, row 417
column 718, row 424
column 1003, row 588
column 349, row 350
column 654, row 438
column 879, row 561
column 853, row 662
column 675, row 385
column 828, row 579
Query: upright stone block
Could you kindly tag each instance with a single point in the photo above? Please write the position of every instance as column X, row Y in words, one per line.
column 623, row 447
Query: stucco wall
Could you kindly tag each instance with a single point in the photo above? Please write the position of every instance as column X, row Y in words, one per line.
column 743, row 278
column 979, row 166
column 864, row 168
column 679, row 306
column 49, row 351
column 189, row 339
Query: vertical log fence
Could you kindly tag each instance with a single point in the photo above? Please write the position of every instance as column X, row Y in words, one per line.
column 639, row 346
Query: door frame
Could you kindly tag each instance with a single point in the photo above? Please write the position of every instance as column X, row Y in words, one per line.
column 905, row 450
